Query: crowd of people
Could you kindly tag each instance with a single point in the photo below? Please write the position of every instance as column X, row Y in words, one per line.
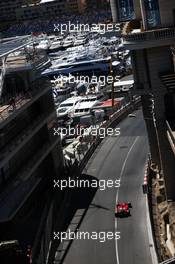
column 47, row 26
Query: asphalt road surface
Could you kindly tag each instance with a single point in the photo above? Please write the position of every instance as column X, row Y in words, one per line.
column 123, row 157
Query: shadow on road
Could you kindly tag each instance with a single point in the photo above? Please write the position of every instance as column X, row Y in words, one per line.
column 79, row 200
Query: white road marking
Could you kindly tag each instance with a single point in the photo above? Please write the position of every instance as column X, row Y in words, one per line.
column 120, row 176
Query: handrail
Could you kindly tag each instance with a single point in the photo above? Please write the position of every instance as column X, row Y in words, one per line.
column 170, row 132
column 168, row 261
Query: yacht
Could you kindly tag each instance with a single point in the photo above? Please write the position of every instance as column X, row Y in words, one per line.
column 80, row 40
column 88, row 67
column 86, row 104
column 55, row 46
column 44, row 44
column 78, row 48
column 61, row 91
column 68, row 42
column 67, row 106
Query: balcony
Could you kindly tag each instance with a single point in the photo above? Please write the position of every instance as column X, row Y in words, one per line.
column 8, row 109
column 16, row 144
column 134, row 36
column 12, row 104
column 13, row 197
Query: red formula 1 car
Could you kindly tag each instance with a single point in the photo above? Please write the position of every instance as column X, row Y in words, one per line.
column 123, row 209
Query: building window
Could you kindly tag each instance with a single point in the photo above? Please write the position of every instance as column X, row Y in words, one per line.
column 152, row 13
column 125, row 10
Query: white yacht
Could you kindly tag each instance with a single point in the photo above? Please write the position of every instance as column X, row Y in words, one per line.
column 61, row 91
column 67, row 106
column 86, row 104
column 80, row 40
column 69, row 41
column 78, row 48
column 55, row 45
column 61, row 94
column 44, row 44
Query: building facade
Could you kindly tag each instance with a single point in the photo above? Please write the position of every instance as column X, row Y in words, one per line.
column 31, row 156
column 150, row 36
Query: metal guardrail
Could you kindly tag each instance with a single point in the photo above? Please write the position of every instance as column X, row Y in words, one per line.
column 172, row 260
column 170, row 133
column 90, row 142
column 2, row 75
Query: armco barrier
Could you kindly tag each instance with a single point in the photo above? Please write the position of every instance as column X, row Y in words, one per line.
column 169, row 261
column 145, row 180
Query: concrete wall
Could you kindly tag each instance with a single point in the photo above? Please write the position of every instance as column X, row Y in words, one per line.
column 140, row 73
column 160, row 60
column 148, row 64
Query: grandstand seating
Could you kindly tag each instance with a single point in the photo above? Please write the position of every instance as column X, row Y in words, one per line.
column 47, row 26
